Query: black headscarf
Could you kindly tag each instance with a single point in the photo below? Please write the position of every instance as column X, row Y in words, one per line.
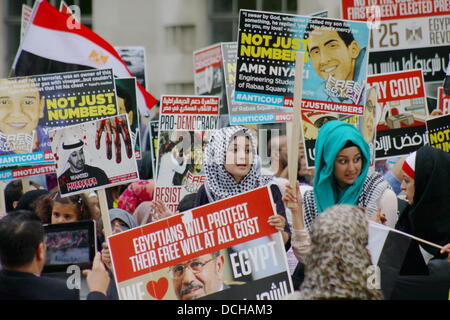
column 429, row 216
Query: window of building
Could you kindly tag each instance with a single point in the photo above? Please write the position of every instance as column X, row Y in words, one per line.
column 14, row 16
column 224, row 15
column 180, row 38
column 180, row 88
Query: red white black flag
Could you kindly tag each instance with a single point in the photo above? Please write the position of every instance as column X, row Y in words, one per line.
column 50, row 45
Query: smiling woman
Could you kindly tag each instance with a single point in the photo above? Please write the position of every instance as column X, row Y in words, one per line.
column 232, row 166
column 342, row 175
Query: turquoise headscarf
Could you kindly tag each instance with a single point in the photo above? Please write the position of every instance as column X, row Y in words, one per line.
column 331, row 139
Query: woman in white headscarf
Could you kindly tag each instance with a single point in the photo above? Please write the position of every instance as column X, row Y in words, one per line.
column 232, row 166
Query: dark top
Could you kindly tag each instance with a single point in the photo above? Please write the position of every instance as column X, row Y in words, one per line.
column 428, row 218
column 27, row 286
column 202, row 199
column 87, row 173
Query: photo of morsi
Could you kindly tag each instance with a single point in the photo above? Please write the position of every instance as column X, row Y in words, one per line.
column 224, row 250
column 94, row 155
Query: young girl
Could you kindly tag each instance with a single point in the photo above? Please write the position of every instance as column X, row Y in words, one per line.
column 55, row 209
column 232, row 166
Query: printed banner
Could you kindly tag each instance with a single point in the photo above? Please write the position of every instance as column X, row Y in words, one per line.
column 246, row 113
column 185, row 125
column 439, row 132
column 127, row 102
column 335, row 62
column 443, row 101
column 405, row 35
column 46, row 102
column 22, row 172
column 94, row 155
column 227, row 248
column 403, row 111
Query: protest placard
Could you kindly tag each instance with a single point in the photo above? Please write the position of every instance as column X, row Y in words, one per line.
column 439, row 132
column 127, row 103
column 25, row 19
column 185, row 124
column 22, row 172
column 209, row 78
column 53, row 101
column 153, row 135
column 227, row 245
column 267, row 43
column 405, row 35
column 245, row 113
column 134, row 58
column 403, row 111
column 443, row 101
column 80, row 150
column 312, row 122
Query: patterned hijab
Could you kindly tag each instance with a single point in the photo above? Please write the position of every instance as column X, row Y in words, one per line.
column 336, row 267
column 333, row 136
column 220, row 184
column 136, row 193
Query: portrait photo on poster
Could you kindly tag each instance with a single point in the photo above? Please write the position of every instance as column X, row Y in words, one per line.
column 94, row 155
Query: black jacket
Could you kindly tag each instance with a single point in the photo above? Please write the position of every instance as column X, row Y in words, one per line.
column 27, row 286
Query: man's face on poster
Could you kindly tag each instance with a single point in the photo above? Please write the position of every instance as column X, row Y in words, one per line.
column 331, row 56
column 20, row 110
column 369, row 116
column 198, row 277
column 76, row 159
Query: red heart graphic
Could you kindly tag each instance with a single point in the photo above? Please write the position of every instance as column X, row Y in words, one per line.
column 158, row 289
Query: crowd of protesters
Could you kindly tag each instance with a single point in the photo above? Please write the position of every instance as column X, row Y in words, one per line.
column 325, row 234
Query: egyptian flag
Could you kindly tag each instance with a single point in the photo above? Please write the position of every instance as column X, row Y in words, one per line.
column 388, row 248
column 51, row 46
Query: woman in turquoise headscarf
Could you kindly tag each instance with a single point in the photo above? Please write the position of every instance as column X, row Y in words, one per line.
column 342, row 176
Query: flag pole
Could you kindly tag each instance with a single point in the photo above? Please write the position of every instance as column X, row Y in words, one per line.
column 293, row 127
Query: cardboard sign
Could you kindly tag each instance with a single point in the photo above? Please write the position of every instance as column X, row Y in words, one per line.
column 267, row 43
column 439, row 132
column 228, row 246
column 209, row 76
column 185, row 124
column 53, row 101
column 94, row 155
column 403, row 111
column 245, row 113
column 405, row 35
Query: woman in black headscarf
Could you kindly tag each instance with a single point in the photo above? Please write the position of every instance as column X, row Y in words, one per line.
column 426, row 178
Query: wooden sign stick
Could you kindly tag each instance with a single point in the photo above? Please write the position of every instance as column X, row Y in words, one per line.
column 103, row 202
column 25, row 184
column 293, row 127
column 2, row 199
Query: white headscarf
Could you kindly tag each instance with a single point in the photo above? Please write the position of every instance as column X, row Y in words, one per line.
column 220, row 184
